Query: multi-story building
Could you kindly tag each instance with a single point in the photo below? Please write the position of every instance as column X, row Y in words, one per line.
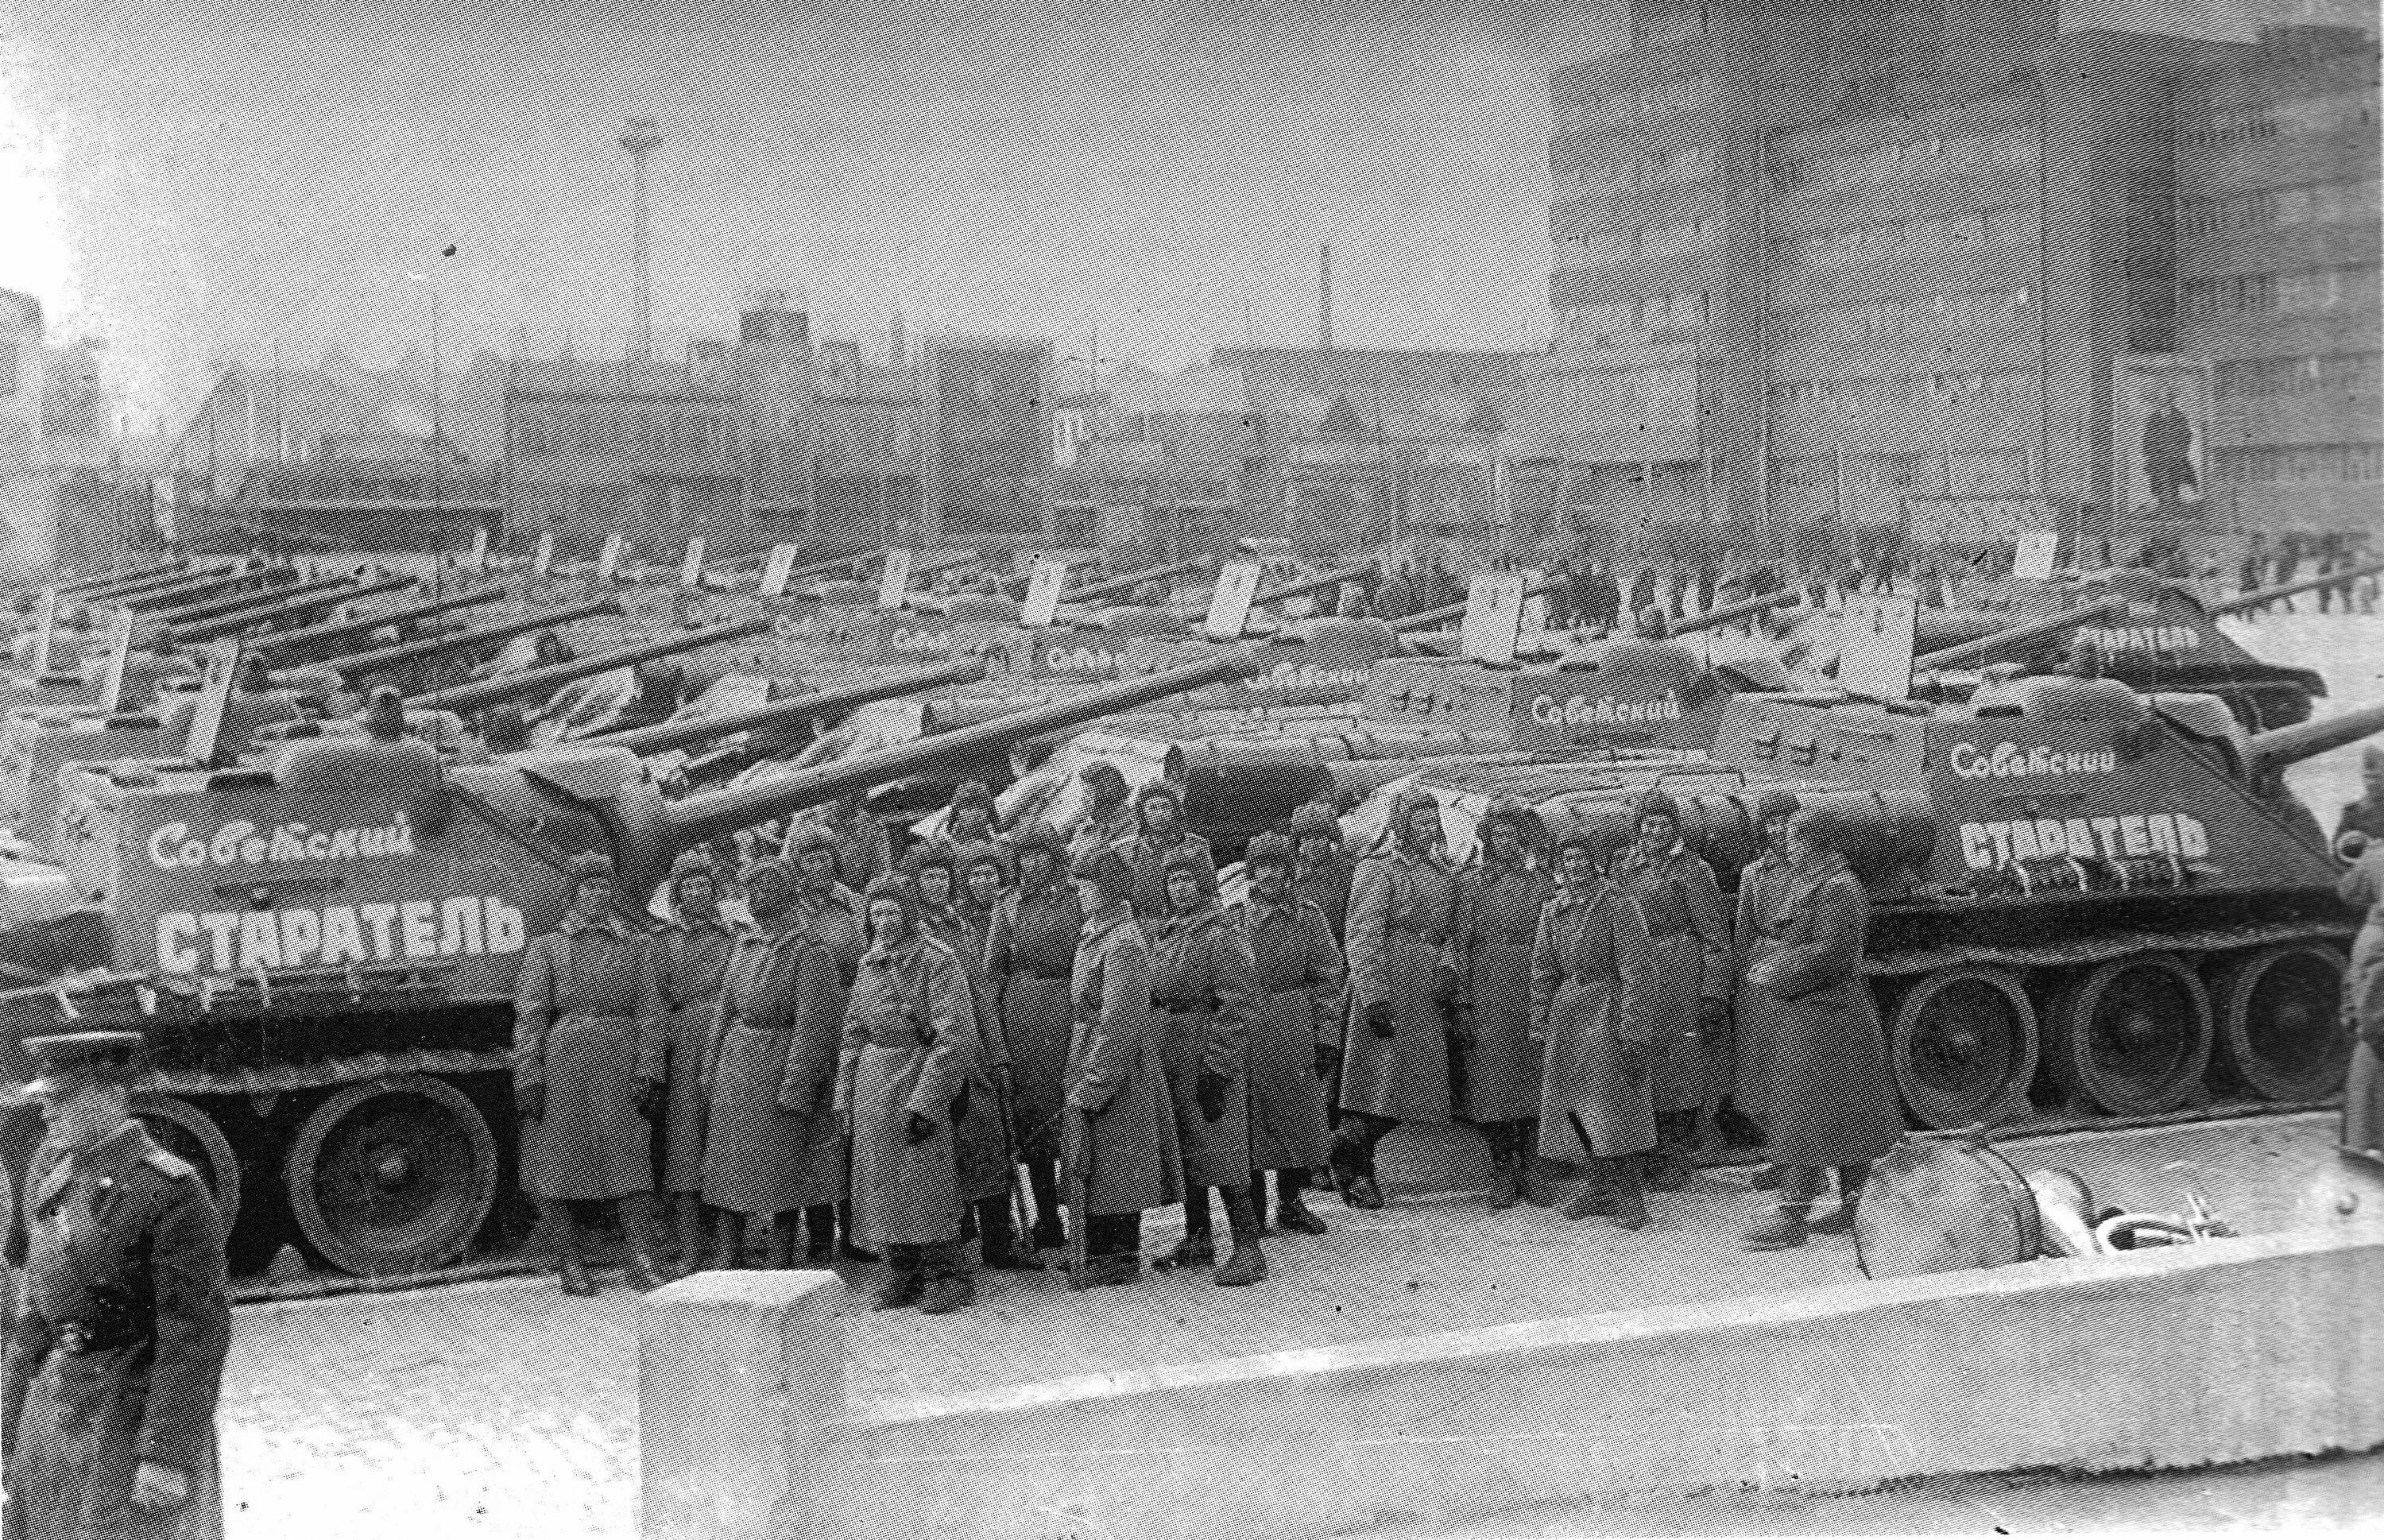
column 21, row 370
column 2277, row 259
column 1848, row 269
column 648, row 450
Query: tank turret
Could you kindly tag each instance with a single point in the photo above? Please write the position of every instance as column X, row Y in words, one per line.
column 284, row 607
column 1315, row 582
column 322, row 953
column 1127, row 582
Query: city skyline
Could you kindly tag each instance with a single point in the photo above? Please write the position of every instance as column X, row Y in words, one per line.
column 193, row 190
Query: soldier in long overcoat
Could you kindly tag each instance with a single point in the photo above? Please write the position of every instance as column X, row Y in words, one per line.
column 827, row 900
column 1828, row 1092
column 910, row 1047
column 1403, row 994
column 775, row 1151
column 2363, row 1005
column 588, row 1076
column 1121, row 1151
column 1030, row 951
column 1161, row 838
column 988, row 1134
column 690, row 957
column 1693, row 965
column 1498, row 907
column 1202, row 987
column 1591, row 972
column 1763, row 885
column 1324, row 872
column 1296, row 1033
column 117, row 1345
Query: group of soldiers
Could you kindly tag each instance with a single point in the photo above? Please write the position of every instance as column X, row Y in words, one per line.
column 1030, row 1039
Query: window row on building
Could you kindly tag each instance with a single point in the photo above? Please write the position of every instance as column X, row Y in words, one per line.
column 1901, row 318
column 2316, row 292
column 1914, row 159
column 1913, row 393
column 1655, row 168
column 1933, row 235
column 1665, row 394
column 1636, row 321
column 2329, row 374
column 1958, row 472
column 1648, row 102
column 1590, row 247
column 2323, row 202
column 621, row 431
column 2301, row 465
column 2304, row 116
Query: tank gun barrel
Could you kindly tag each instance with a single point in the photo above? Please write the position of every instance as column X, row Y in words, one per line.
column 187, row 614
column 236, row 621
column 82, row 588
column 856, row 562
column 1425, row 620
column 354, row 663
column 161, row 592
column 1127, row 582
column 2279, row 746
column 1738, row 609
column 1314, row 584
column 2013, row 636
column 696, row 819
column 535, row 681
column 2258, row 597
column 680, row 733
column 274, row 643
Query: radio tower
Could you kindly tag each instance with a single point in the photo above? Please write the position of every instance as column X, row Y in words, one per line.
column 640, row 138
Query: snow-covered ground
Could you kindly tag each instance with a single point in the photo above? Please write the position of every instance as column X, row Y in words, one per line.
column 2348, row 651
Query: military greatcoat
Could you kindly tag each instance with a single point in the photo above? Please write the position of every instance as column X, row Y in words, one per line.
column 1763, row 885
column 778, row 1027
column 1591, row 972
column 982, row 1136
column 1499, row 915
column 691, row 957
column 1120, row 1132
column 587, row 1025
column 1149, row 854
column 1300, row 975
column 117, row 1346
column 1828, row 1094
column 1677, row 892
column 1402, row 951
column 836, row 920
column 910, row 1046
column 2363, row 1006
column 1201, row 987
column 1326, row 885
column 1030, row 952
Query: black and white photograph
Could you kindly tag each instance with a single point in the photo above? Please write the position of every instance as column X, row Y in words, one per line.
column 1191, row 769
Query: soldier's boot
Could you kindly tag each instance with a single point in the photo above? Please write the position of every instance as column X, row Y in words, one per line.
column 1596, row 1196
column 1505, row 1166
column 1533, row 1180
column 847, row 1251
column 779, row 1250
column 1784, row 1230
column 1001, row 1252
column 728, row 1241
column 820, row 1220
column 1292, row 1215
column 949, row 1285
column 1043, row 1180
column 637, row 1212
column 570, row 1250
column 686, row 1230
column 1198, row 1247
column 1667, row 1168
column 907, row 1279
column 1353, row 1162
column 1629, row 1205
column 1247, row 1265
column 1840, row 1220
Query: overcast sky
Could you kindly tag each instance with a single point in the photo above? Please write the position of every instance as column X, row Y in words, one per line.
column 195, row 182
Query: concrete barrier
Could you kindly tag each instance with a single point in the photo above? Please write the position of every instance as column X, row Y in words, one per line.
column 2230, row 1351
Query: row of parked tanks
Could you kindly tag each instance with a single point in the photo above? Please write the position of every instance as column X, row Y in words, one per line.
column 2094, row 895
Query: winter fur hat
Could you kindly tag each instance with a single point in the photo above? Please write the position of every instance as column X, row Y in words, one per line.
column 770, row 884
column 585, row 867
column 1108, row 870
column 1268, row 850
column 899, row 889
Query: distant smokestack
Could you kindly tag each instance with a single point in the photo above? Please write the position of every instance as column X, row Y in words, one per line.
column 1325, row 297
column 640, row 138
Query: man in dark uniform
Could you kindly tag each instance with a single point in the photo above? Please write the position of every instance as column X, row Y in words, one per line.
column 116, row 1356
column 2366, row 816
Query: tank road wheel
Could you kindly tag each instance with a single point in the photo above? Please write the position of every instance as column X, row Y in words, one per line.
column 1964, row 1042
column 182, row 1129
column 2281, row 1031
column 392, row 1175
column 2134, row 1035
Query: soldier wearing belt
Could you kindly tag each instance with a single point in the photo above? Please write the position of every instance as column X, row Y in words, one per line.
column 1296, row 1034
column 1162, row 841
column 117, row 1352
column 588, row 1076
column 1324, row 872
column 1404, row 995
column 1030, row 952
column 1499, row 898
column 690, row 958
column 1690, row 937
